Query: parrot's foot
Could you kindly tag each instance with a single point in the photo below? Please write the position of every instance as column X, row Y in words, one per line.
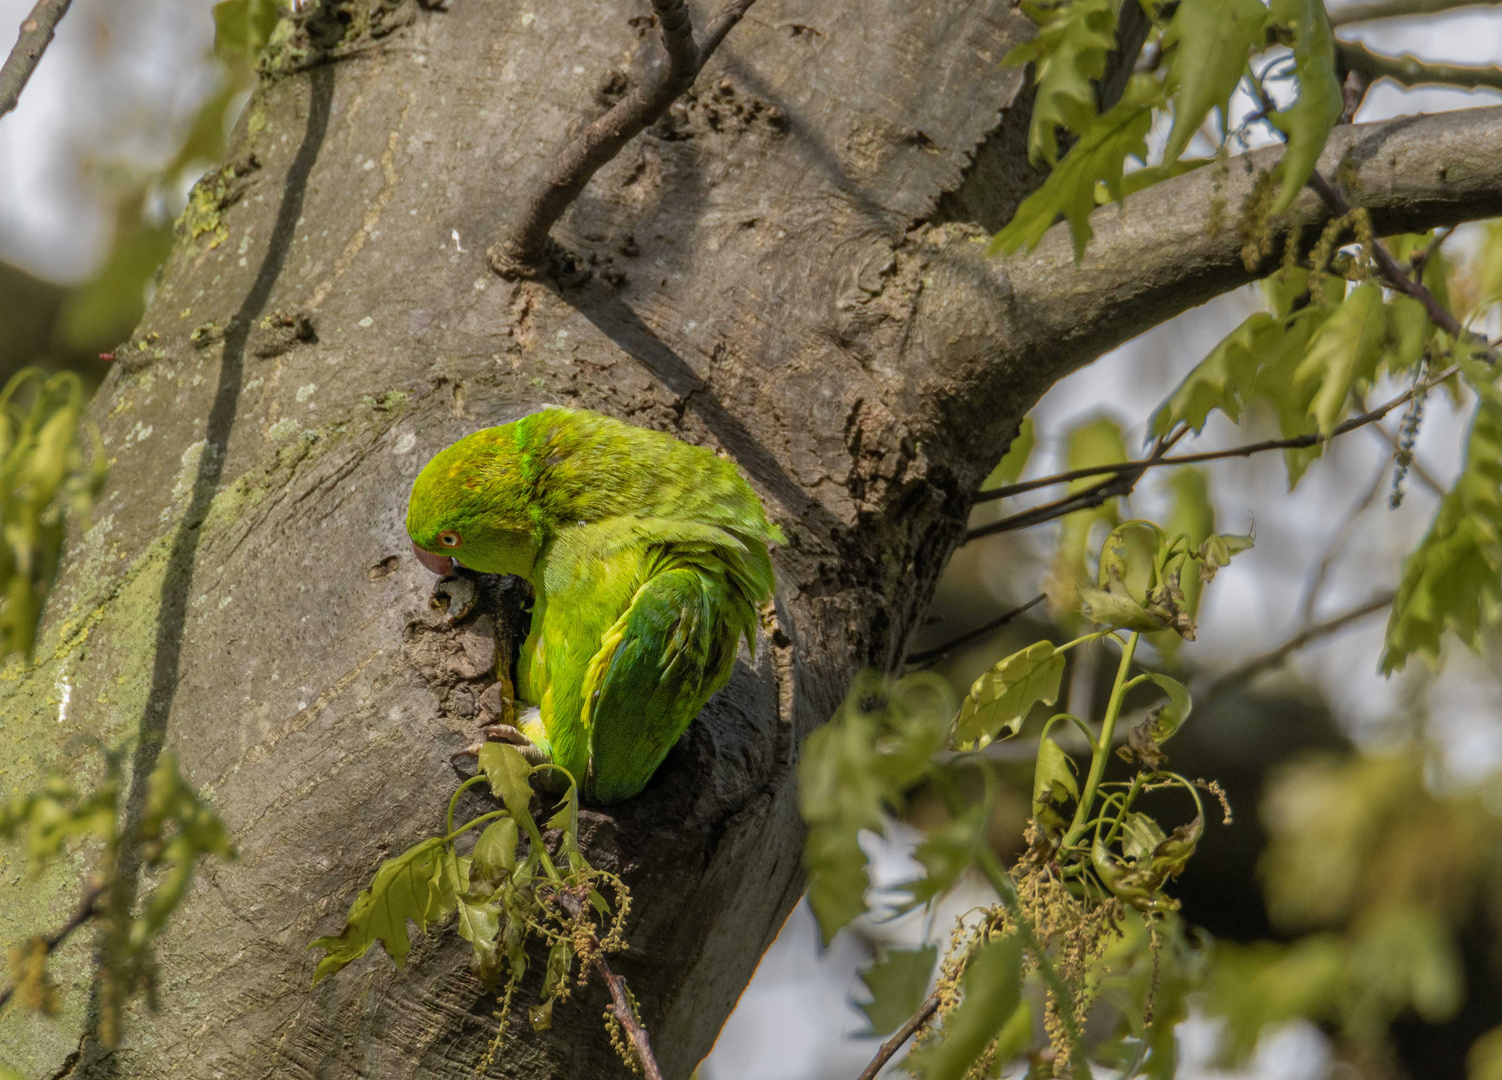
column 505, row 733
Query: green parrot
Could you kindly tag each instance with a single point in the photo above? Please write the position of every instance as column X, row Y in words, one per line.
column 648, row 558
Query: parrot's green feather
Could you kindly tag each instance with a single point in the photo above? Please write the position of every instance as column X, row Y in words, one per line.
column 649, row 561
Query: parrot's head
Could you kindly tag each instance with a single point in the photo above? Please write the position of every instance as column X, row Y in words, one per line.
column 472, row 503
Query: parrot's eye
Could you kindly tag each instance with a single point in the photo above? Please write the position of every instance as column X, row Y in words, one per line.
column 449, row 539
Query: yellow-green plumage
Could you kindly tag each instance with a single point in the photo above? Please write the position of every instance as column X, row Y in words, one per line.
column 649, row 561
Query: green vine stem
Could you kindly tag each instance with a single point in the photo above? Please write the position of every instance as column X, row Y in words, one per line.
column 481, row 820
column 542, row 849
column 454, row 802
column 1100, row 751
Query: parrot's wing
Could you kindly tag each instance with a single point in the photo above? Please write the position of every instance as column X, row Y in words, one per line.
column 743, row 558
column 657, row 665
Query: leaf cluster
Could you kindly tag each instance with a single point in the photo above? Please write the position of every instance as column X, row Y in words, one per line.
column 1095, row 856
column 52, row 468
column 1453, row 579
column 1204, row 50
column 1305, row 358
column 175, row 830
column 508, row 895
column 1308, row 360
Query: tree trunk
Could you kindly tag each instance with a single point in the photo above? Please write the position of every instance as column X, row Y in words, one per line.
column 782, row 269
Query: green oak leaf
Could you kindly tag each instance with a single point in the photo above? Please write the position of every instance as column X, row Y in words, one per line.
column 1453, row 579
column 1307, row 122
column 1140, row 837
column 1343, row 355
column 1207, row 43
column 412, row 886
column 509, row 776
column 495, row 852
column 1098, row 156
column 1223, row 380
column 1170, row 716
column 1068, row 55
column 1219, row 549
column 1053, row 783
column 1002, row 697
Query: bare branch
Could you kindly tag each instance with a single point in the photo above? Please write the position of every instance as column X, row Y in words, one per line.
column 1126, row 475
column 88, row 907
column 36, row 35
column 1273, row 658
column 904, row 1033
column 927, row 656
column 521, row 250
column 1316, row 581
column 1083, row 500
column 1395, row 9
column 1410, row 70
column 625, row 1015
column 721, row 25
column 1394, row 444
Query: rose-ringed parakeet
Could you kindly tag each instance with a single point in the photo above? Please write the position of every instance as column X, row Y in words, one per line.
column 648, row 558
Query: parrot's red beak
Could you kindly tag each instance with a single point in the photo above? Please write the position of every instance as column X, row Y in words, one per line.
column 439, row 564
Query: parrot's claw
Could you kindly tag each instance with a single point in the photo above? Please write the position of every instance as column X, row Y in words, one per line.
column 507, row 734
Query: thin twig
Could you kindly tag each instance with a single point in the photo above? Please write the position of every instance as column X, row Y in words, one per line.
column 904, row 1033
column 1420, row 259
column 1394, row 9
column 1338, row 542
column 929, row 655
column 1395, row 445
column 1387, row 266
column 521, row 250
column 620, row 1008
column 36, row 35
column 88, row 907
column 1124, row 479
column 1410, row 70
column 1272, row 659
column 721, row 25
column 1297, row 442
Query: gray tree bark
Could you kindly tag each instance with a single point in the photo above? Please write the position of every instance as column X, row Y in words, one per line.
column 791, row 269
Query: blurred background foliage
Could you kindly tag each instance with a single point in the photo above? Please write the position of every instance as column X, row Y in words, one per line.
column 150, row 105
column 1353, row 907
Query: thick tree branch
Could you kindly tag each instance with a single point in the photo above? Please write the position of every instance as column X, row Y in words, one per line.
column 521, row 250
column 1168, row 249
column 36, row 35
column 1410, row 70
column 1394, row 9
